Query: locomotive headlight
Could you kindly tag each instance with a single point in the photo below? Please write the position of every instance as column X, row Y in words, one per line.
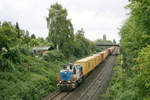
column 69, row 81
column 59, row 81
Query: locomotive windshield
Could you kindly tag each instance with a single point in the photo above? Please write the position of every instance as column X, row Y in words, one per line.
column 67, row 67
column 64, row 67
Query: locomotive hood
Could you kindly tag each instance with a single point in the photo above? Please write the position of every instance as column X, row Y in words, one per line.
column 65, row 75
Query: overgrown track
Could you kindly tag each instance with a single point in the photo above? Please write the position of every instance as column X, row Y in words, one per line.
column 52, row 95
column 57, row 95
column 91, row 86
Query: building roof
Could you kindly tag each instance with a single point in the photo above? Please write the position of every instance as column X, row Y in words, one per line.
column 42, row 48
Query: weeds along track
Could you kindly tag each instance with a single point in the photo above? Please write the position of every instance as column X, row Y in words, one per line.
column 57, row 95
column 60, row 96
column 52, row 95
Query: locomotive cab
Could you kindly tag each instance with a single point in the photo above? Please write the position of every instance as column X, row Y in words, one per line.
column 70, row 75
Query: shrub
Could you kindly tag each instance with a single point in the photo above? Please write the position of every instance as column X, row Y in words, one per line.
column 53, row 55
column 26, row 51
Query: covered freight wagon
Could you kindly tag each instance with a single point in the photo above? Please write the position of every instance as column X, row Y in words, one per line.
column 87, row 64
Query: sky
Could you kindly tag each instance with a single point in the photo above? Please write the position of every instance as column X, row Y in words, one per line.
column 96, row 17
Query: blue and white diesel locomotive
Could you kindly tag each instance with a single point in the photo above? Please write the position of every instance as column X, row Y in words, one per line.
column 70, row 76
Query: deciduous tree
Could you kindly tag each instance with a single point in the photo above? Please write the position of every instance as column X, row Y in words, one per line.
column 60, row 28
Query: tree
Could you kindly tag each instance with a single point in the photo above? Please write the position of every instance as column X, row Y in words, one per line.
column 8, row 35
column 60, row 28
column 18, row 30
column 114, row 41
column 104, row 37
column 79, row 43
column 134, row 46
column 34, row 42
column 26, row 37
column 80, row 34
column 33, row 36
column 102, row 41
column 83, row 46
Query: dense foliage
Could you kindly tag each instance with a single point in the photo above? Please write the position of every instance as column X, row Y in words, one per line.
column 8, row 35
column 131, row 81
column 23, row 76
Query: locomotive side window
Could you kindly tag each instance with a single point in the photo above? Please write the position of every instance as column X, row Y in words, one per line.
column 71, row 67
column 64, row 67
column 68, row 67
column 74, row 70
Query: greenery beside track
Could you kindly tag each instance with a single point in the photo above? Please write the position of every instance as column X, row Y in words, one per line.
column 131, row 81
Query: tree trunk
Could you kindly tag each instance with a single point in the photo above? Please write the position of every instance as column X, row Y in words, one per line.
column 57, row 46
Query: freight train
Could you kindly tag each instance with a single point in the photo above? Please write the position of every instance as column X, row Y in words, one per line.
column 72, row 74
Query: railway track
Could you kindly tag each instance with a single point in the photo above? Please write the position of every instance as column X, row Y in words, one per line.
column 97, row 83
column 90, row 87
column 60, row 96
column 57, row 95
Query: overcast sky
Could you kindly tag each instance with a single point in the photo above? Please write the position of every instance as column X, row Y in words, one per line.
column 96, row 17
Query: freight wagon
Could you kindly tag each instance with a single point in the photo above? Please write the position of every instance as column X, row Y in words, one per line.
column 71, row 75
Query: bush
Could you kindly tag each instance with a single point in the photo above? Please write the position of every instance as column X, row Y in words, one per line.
column 24, row 77
column 136, row 87
column 26, row 51
column 9, row 59
column 53, row 55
